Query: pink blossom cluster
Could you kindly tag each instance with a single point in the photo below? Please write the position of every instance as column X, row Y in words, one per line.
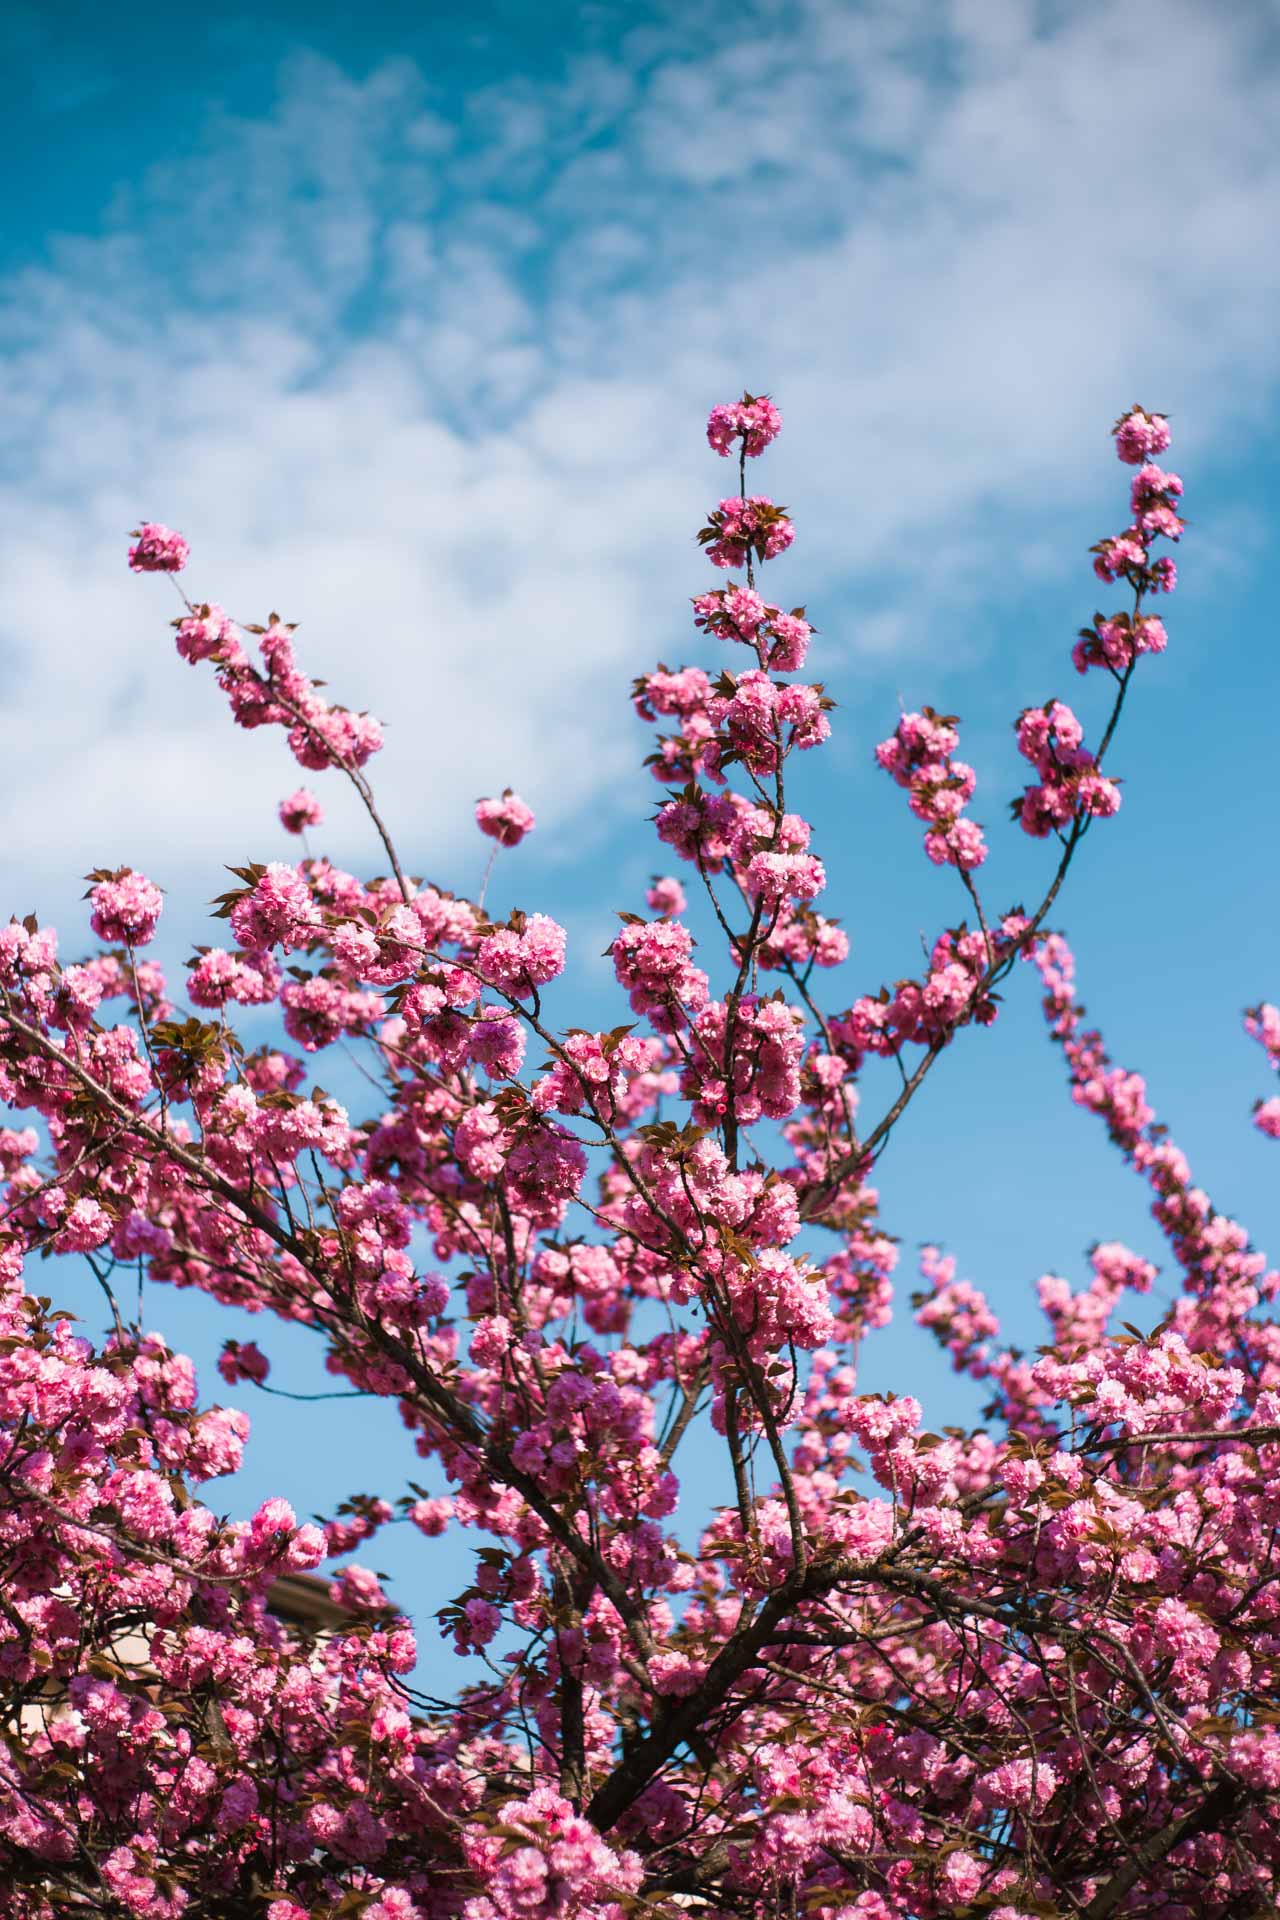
column 800, row 938
column 1139, row 435
column 781, row 640
column 926, row 1012
column 524, row 956
column 652, row 960
column 782, row 870
column 277, row 910
column 666, row 896
column 766, row 851
column 1080, row 1319
column 1224, row 1277
column 549, row 1861
column 1153, row 498
column 506, row 820
column 1070, row 787
column 218, row 977
column 159, row 549
column 300, row 810
column 739, row 528
column 599, row 1073
column 753, row 422
column 748, row 1055
column 95, row 1541
column 1153, row 503
column 918, row 754
column 540, row 1166
column 761, row 719
column 1262, row 1023
column 278, row 693
column 126, row 907
column 957, row 1313
column 1115, row 642
column 748, row 717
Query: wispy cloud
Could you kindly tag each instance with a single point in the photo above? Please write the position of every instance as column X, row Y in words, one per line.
column 427, row 373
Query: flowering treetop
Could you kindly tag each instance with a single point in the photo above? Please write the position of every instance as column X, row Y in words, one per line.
column 1022, row 1671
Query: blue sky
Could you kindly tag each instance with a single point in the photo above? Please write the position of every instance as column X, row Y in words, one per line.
column 411, row 321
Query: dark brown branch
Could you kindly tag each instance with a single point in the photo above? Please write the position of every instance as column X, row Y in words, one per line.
column 1214, row 1810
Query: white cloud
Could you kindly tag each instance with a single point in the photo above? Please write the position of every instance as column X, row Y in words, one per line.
column 431, row 381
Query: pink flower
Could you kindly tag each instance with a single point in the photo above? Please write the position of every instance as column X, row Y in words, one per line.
column 739, row 527
column 359, row 1589
column 652, row 961
column 961, row 1875
column 1024, row 1784
column 332, row 736
column 775, row 877
column 158, row 550
column 755, row 422
column 431, row 1516
column 791, row 634
column 565, row 1871
column 506, row 820
column 961, row 845
column 85, row 1225
column 1070, row 785
column 239, row 1361
column 666, row 896
column 1138, row 435
column 274, row 1516
column 918, row 755
column 299, row 810
column 277, row 910
column 496, row 1042
column 524, row 956
column 480, row 1622
column 126, row 906
column 250, row 979
column 208, row 634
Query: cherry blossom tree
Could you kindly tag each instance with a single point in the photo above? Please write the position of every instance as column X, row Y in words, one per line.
column 1026, row 1670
